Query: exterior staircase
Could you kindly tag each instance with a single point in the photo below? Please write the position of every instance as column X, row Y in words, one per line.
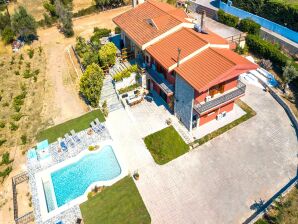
column 108, row 93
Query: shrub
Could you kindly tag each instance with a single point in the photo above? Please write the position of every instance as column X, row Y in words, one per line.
column 98, row 33
column 249, row 26
column 30, row 52
column 13, row 126
column 281, row 12
column 2, row 141
column 17, row 73
column 5, row 159
column 125, row 73
column 91, row 148
column 7, row 35
column 128, row 88
column 266, row 50
column 117, row 30
column 289, row 73
column 227, row 19
column 16, row 117
column 2, row 124
column 241, row 50
column 24, row 139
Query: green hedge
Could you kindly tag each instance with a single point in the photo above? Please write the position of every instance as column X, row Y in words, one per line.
column 249, row 26
column 279, row 11
column 267, row 50
column 227, row 19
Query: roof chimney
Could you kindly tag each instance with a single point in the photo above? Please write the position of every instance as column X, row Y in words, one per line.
column 202, row 19
column 178, row 59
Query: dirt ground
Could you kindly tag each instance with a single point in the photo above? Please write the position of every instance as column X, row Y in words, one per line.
column 81, row 4
column 60, row 100
column 34, row 7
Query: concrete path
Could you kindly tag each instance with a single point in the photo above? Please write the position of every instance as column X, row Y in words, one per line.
column 219, row 181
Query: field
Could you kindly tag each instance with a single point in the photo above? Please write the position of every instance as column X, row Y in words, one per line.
column 284, row 210
column 34, row 7
column 21, row 96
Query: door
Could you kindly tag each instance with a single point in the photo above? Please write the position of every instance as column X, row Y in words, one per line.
column 163, row 95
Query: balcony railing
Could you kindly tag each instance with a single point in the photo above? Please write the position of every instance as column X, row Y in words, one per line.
column 226, row 97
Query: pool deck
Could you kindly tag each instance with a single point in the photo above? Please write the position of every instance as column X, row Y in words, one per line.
column 70, row 211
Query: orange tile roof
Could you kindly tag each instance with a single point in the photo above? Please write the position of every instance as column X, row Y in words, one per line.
column 213, row 66
column 135, row 21
column 188, row 40
column 165, row 51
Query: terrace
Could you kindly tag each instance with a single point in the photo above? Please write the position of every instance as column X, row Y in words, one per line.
column 221, row 98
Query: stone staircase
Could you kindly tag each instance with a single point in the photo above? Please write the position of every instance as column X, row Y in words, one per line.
column 108, row 93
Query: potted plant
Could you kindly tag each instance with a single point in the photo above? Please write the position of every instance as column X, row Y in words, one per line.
column 136, row 175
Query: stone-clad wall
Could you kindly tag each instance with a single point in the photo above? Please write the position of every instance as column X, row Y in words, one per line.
column 184, row 95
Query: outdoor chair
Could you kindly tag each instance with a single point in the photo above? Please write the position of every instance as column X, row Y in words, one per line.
column 75, row 136
column 94, row 127
column 69, row 140
column 62, row 144
column 100, row 126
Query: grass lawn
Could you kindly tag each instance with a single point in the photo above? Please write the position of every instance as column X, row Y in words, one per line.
column 249, row 113
column 78, row 124
column 120, row 203
column 165, row 145
column 285, row 211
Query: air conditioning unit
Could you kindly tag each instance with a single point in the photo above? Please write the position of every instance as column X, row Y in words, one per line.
column 219, row 117
column 208, row 98
column 224, row 113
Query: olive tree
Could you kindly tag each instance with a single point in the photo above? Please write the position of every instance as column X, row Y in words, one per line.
column 23, row 24
column 91, row 84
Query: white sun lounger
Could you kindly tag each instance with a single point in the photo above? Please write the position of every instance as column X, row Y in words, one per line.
column 75, row 136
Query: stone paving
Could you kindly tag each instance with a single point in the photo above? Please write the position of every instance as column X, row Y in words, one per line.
column 218, row 181
column 70, row 215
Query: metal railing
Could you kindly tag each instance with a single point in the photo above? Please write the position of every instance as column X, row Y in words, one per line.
column 240, row 90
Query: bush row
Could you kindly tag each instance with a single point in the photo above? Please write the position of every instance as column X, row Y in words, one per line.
column 269, row 51
column 227, row 19
column 245, row 25
column 285, row 14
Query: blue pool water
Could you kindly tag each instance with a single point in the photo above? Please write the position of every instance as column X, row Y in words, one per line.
column 73, row 180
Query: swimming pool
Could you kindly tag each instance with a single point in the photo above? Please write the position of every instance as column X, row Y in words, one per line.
column 74, row 179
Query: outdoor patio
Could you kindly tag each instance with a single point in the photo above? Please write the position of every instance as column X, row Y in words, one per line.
column 213, row 125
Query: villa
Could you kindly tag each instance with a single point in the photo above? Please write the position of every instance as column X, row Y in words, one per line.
column 191, row 68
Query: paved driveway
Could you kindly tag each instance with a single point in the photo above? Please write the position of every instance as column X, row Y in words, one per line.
column 219, row 181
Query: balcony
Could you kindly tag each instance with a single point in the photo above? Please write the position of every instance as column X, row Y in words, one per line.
column 157, row 77
column 221, row 99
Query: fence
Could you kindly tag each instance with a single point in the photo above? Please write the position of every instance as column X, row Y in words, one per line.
column 78, row 59
column 290, row 34
column 28, row 217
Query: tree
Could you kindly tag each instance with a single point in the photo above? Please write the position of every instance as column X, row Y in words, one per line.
column 91, row 84
column 7, row 35
column 289, row 74
column 23, row 24
column 89, row 58
column 4, row 21
column 107, row 54
column 65, row 18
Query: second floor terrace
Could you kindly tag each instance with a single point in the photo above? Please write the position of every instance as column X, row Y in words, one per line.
column 220, row 99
